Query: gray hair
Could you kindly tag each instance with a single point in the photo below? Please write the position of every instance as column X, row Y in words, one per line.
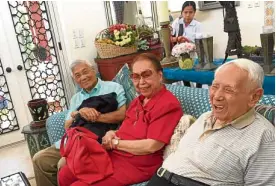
column 78, row 62
column 255, row 71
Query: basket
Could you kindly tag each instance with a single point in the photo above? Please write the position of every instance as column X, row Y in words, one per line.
column 106, row 50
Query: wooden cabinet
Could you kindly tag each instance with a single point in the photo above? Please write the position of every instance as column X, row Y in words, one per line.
column 108, row 68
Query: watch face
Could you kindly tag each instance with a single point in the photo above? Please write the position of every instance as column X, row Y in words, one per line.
column 116, row 141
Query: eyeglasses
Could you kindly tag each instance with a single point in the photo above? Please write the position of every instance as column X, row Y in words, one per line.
column 145, row 75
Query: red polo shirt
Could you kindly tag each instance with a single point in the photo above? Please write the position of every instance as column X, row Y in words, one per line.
column 155, row 120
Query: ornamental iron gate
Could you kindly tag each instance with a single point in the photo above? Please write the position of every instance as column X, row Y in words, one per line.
column 36, row 43
column 8, row 120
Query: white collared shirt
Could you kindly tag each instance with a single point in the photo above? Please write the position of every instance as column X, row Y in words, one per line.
column 189, row 31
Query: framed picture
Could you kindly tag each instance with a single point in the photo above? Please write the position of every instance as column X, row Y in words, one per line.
column 17, row 179
column 208, row 5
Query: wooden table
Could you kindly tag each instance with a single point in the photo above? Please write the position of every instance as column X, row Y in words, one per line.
column 108, row 68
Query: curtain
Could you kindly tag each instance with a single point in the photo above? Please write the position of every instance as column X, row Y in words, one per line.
column 119, row 10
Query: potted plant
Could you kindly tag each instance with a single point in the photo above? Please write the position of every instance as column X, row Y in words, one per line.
column 184, row 52
column 147, row 33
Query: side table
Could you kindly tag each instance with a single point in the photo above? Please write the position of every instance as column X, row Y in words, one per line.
column 109, row 67
column 37, row 138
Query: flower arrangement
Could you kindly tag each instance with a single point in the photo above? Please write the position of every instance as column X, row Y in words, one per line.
column 146, row 37
column 120, row 35
column 183, row 48
column 184, row 51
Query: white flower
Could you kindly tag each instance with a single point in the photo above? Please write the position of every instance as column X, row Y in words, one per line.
column 183, row 48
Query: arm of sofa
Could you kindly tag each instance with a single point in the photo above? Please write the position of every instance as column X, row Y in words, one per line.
column 55, row 126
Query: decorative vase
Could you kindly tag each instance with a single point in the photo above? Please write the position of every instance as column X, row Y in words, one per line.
column 185, row 62
column 39, row 111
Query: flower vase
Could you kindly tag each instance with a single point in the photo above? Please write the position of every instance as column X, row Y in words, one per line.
column 39, row 111
column 185, row 61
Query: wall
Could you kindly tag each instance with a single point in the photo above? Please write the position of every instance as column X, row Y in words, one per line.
column 89, row 17
column 251, row 21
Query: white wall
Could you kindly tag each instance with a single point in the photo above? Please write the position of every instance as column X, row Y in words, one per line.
column 88, row 16
column 251, row 21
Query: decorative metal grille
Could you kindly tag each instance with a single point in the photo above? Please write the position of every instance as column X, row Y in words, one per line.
column 35, row 40
column 8, row 120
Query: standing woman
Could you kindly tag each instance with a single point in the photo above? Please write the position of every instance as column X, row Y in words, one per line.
column 185, row 28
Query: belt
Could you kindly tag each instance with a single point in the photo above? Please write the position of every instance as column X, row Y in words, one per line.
column 176, row 179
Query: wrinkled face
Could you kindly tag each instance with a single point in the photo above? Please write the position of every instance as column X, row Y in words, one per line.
column 146, row 79
column 231, row 93
column 188, row 14
column 85, row 76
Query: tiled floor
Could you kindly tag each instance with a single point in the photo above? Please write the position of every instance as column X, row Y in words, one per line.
column 16, row 158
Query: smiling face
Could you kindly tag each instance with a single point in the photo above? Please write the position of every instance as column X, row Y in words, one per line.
column 232, row 94
column 85, row 76
column 146, row 79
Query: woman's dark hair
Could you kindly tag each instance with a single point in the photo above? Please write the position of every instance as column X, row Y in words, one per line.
column 150, row 57
column 189, row 3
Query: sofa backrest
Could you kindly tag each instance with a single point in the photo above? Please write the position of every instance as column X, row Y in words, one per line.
column 194, row 101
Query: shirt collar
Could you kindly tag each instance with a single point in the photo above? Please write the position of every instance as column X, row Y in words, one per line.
column 192, row 23
column 244, row 120
column 97, row 87
column 239, row 123
column 153, row 100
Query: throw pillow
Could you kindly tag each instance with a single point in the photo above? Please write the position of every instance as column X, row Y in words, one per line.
column 184, row 123
column 122, row 77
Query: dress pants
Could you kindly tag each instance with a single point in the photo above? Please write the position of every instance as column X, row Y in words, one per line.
column 45, row 166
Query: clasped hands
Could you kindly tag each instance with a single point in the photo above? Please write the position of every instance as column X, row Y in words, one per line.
column 107, row 140
column 182, row 39
column 89, row 114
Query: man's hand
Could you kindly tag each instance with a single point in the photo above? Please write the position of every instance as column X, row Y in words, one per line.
column 68, row 123
column 74, row 113
column 89, row 114
column 107, row 140
column 182, row 39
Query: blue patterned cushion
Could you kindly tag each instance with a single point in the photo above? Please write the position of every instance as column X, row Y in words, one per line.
column 267, row 100
column 123, row 78
column 55, row 126
column 194, row 101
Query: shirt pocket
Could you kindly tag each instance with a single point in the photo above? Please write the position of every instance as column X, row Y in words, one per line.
column 218, row 162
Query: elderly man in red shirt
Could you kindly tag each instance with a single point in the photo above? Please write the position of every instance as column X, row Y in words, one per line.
column 136, row 149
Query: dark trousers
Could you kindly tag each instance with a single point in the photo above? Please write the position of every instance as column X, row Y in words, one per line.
column 156, row 180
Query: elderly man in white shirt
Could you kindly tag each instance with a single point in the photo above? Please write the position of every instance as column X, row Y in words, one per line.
column 232, row 144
